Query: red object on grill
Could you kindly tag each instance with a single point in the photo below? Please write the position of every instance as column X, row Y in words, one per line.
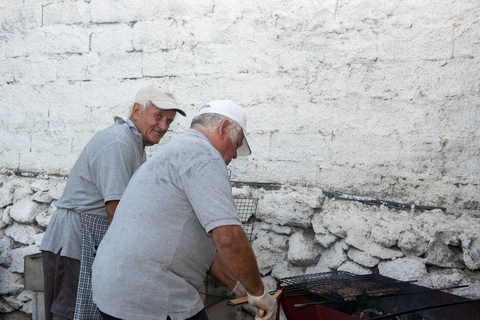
column 345, row 296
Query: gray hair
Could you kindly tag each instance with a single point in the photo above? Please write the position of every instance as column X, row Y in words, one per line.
column 211, row 122
column 143, row 103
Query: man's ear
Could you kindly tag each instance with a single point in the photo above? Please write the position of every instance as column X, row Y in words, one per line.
column 136, row 110
column 224, row 128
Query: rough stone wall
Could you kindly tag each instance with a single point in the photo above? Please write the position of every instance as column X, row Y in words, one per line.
column 372, row 98
column 297, row 231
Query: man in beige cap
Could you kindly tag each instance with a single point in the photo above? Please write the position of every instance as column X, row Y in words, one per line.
column 176, row 212
column 93, row 190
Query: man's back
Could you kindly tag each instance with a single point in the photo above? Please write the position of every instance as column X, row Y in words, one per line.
column 162, row 241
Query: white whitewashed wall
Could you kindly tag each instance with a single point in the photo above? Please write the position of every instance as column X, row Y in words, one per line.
column 372, row 98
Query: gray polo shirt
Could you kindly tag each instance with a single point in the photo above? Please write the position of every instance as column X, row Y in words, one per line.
column 156, row 253
column 100, row 174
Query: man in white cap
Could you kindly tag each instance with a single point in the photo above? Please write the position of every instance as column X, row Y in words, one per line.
column 88, row 204
column 176, row 223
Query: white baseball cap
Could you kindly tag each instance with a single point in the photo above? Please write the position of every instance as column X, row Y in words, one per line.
column 160, row 98
column 234, row 112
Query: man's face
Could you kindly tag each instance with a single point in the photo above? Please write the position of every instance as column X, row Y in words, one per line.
column 153, row 123
column 230, row 150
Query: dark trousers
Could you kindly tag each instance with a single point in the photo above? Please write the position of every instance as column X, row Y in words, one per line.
column 60, row 276
column 202, row 315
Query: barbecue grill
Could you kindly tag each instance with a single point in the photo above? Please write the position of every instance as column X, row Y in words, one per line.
column 346, row 296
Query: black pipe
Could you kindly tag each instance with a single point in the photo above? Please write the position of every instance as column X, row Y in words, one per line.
column 257, row 185
column 381, row 202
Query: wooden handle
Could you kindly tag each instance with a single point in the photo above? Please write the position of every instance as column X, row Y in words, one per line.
column 276, row 295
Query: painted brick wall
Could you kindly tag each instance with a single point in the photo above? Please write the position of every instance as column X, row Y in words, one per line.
column 375, row 98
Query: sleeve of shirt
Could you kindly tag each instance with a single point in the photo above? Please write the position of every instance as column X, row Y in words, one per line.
column 208, row 189
column 113, row 169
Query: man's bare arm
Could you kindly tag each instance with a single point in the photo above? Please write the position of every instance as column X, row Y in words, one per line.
column 238, row 257
column 111, row 206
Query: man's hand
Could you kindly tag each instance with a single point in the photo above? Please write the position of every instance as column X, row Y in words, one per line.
column 265, row 302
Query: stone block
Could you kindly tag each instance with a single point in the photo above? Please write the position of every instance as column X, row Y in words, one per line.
column 9, row 278
column 77, row 67
column 156, row 35
column 334, row 256
column 127, row 65
column 6, row 196
column 270, row 249
column 362, row 258
column 281, row 230
column 466, row 35
column 65, row 13
column 13, row 301
column 42, row 197
column 5, row 307
column 384, row 237
column 27, row 307
column 288, row 208
column 404, row 269
column 41, row 185
column 267, row 261
column 112, row 39
column 158, row 63
column 18, row 256
column 5, row 245
column 302, row 249
column 266, row 240
column 471, row 251
column 441, row 255
column 25, row 210
column 325, row 239
column 413, row 243
column 363, row 243
column 285, row 269
column 322, row 235
column 354, row 268
column 23, row 190
column 35, row 70
column 24, row 43
column 67, row 39
column 43, row 219
column 442, row 278
column 38, row 239
column 57, row 191
column 21, row 233
column 450, row 238
column 6, row 220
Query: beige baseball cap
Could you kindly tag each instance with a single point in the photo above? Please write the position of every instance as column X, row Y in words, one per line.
column 234, row 112
column 160, row 98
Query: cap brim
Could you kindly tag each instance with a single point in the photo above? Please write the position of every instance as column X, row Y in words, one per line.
column 165, row 105
column 244, row 150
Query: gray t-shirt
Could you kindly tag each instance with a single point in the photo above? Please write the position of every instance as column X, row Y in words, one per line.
column 155, row 255
column 100, row 174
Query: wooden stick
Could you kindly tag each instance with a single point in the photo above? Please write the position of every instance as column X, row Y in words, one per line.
column 276, row 295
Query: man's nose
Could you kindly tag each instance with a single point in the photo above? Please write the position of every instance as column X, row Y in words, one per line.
column 163, row 124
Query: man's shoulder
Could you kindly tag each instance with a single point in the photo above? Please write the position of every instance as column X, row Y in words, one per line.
column 113, row 133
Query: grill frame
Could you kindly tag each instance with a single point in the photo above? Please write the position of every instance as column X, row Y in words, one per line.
column 409, row 297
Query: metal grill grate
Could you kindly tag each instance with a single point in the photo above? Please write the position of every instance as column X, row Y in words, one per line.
column 340, row 286
column 247, row 210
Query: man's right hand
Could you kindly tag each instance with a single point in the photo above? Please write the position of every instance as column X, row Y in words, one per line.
column 265, row 302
